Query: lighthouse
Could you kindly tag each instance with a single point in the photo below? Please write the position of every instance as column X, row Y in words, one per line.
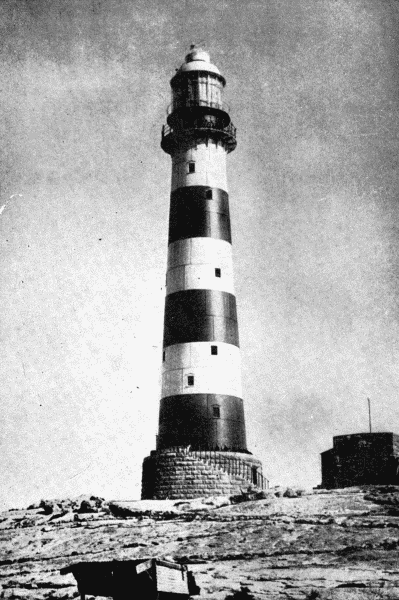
column 201, row 443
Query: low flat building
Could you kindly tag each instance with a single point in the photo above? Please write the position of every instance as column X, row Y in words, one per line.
column 361, row 459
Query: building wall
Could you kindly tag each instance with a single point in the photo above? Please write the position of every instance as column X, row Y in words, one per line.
column 361, row 459
column 175, row 474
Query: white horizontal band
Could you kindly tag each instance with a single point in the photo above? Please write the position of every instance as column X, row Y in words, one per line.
column 200, row 264
column 200, row 251
column 199, row 277
column 196, row 354
column 209, row 162
column 209, row 373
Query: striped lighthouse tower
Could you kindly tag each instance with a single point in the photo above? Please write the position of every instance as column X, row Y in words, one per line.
column 201, row 443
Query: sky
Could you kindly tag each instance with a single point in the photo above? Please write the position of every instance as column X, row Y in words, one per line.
column 84, row 200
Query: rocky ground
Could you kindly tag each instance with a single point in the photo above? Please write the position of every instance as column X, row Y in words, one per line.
column 341, row 544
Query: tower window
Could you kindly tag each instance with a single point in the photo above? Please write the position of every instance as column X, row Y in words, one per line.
column 214, row 350
column 208, row 194
column 191, row 167
column 218, row 272
column 163, row 356
column 216, row 411
column 190, row 379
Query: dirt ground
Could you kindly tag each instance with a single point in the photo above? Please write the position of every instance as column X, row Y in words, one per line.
column 341, row 544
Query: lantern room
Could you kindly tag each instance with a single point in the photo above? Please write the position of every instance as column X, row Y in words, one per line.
column 197, row 84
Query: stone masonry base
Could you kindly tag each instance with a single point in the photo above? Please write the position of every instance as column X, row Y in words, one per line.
column 181, row 473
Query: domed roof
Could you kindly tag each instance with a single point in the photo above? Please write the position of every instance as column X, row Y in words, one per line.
column 197, row 54
column 198, row 60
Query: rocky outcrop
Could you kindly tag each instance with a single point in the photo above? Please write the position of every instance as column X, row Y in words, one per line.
column 335, row 545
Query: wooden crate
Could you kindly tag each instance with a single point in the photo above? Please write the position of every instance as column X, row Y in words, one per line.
column 150, row 579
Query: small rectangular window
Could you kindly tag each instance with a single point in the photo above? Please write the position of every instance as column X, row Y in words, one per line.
column 214, row 350
column 190, row 379
column 191, row 167
column 208, row 194
column 216, row 411
column 218, row 272
column 163, row 356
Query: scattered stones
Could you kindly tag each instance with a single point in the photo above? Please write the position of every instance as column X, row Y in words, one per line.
column 277, row 547
column 47, row 506
column 290, row 493
column 87, row 506
column 242, row 594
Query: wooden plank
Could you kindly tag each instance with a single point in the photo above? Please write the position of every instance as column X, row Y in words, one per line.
column 170, row 565
column 144, row 566
column 171, row 580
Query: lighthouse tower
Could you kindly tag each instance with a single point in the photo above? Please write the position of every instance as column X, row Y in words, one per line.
column 201, row 443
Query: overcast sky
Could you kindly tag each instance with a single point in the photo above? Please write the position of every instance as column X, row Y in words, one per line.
column 84, row 195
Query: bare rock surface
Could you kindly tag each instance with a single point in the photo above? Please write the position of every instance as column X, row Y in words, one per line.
column 341, row 544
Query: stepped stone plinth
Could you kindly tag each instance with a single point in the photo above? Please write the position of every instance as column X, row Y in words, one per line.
column 179, row 473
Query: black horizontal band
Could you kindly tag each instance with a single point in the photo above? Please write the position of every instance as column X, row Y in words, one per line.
column 191, row 419
column 200, row 316
column 194, row 214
